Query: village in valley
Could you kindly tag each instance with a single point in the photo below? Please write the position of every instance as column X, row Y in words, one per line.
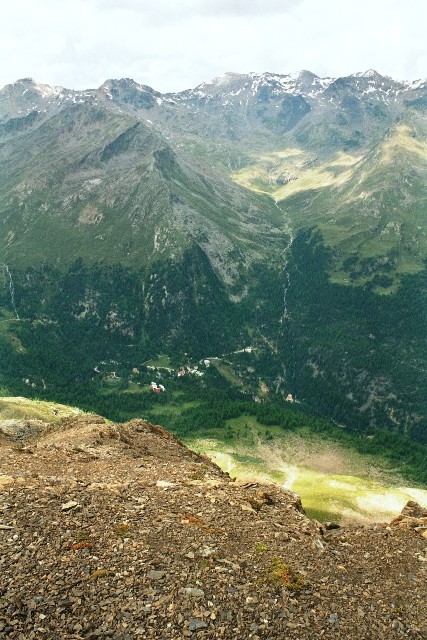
column 161, row 371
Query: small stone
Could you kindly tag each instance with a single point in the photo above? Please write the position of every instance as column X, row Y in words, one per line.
column 397, row 625
column 191, row 592
column 334, row 620
column 164, row 484
column 156, row 575
column 196, row 624
column 69, row 505
column 246, row 507
column 329, row 526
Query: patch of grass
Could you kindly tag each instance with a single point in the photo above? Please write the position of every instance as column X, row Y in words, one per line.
column 101, row 573
column 81, row 536
column 204, row 563
column 286, row 173
column 403, row 140
column 199, row 473
column 227, row 372
column 8, row 323
column 123, row 530
column 161, row 362
column 282, row 573
column 172, row 409
column 17, row 408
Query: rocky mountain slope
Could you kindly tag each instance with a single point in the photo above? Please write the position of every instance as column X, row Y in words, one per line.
column 100, row 184
column 120, row 531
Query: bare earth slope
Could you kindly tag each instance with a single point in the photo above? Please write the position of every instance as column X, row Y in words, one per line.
column 120, row 531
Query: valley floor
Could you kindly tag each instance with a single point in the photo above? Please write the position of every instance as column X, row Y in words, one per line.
column 334, row 483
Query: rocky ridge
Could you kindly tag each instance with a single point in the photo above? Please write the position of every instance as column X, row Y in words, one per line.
column 120, row 531
column 27, row 95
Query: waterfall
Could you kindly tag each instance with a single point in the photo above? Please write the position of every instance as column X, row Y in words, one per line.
column 286, row 252
column 12, row 291
column 285, row 324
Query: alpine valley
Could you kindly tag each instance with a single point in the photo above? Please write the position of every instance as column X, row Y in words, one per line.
column 266, row 233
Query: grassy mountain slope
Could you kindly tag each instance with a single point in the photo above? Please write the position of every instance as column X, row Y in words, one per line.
column 19, row 409
column 370, row 209
column 96, row 185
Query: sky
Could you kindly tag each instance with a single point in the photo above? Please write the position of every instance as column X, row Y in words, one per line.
column 172, row 45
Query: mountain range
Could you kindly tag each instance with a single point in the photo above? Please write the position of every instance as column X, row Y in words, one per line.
column 285, row 213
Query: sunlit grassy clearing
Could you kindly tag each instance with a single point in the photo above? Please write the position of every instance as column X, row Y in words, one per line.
column 17, row 408
column 402, row 140
column 264, row 174
column 334, row 483
column 227, row 372
column 316, row 178
column 161, row 362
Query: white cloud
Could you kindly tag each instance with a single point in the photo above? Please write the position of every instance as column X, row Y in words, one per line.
column 165, row 11
column 175, row 45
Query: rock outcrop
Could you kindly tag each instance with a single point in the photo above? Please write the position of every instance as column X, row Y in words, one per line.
column 413, row 517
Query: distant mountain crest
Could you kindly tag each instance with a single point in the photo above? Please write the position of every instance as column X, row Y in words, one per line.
column 26, row 95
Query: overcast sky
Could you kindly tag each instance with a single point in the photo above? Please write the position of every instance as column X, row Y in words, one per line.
column 172, row 45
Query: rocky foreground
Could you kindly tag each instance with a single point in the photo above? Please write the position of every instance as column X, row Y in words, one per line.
column 120, row 531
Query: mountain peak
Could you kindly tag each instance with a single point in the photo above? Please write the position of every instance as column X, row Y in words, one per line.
column 304, row 74
column 27, row 95
column 372, row 74
column 25, row 81
column 227, row 77
column 127, row 85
